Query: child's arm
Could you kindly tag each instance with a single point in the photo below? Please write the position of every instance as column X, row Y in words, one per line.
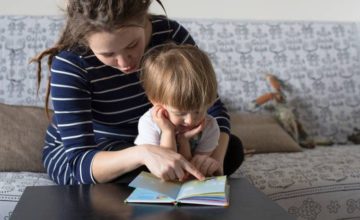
column 184, row 138
column 184, row 147
column 167, row 136
column 203, row 156
column 207, row 165
column 167, row 140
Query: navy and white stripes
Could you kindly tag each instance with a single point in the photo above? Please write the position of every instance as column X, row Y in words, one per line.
column 97, row 108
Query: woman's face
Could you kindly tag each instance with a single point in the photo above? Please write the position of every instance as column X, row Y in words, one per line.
column 121, row 49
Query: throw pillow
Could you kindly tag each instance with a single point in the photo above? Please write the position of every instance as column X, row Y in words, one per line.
column 262, row 133
column 22, row 132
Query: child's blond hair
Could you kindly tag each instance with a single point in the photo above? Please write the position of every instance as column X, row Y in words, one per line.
column 180, row 76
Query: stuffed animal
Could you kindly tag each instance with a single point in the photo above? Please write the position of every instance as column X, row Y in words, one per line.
column 282, row 112
column 355, row 136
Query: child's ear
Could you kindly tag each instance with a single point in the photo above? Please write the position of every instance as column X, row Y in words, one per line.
column 166, row 114
column 156, row 103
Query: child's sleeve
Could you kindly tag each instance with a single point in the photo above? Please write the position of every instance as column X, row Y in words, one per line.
column 210, row 136
column 149, row 132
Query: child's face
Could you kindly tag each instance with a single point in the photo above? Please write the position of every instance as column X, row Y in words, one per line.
column 185, row 120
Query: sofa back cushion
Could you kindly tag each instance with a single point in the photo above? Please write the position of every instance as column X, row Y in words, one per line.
column 261, row 133
column 22, row 131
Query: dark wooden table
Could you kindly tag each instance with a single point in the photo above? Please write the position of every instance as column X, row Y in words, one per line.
column 106, row 201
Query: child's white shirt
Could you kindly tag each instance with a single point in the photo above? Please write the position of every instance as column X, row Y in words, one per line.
column 150, row 133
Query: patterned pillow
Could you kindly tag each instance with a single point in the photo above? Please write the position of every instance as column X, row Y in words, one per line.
column 22, row 131
column 262, row 133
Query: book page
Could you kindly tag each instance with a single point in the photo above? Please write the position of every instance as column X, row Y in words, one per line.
column 148, row 181
column 147, row 196
column 213, row 185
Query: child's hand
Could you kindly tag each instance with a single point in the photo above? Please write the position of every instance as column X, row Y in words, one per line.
column 159, row 115
column 193, row 132
column 207, row 165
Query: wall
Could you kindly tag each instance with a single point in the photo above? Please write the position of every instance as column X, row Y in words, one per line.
column 331, row 10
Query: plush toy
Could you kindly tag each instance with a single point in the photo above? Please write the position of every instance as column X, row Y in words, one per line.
column 355, row 136
column 282, row 112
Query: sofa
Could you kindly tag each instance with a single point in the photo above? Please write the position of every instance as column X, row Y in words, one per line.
column 318, row 62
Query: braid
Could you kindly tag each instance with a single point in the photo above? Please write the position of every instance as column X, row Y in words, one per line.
column 49, row 53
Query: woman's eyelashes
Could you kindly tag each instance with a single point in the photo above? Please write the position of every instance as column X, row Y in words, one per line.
column 107, row 54
column 132, row 44
column 111, row 54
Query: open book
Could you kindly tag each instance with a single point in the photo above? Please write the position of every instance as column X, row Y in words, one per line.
column 150, row 189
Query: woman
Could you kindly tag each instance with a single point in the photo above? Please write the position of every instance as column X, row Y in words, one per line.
column 97, row 97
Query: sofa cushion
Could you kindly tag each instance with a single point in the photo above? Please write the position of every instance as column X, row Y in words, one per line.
column 22, row 131
column 262, row 133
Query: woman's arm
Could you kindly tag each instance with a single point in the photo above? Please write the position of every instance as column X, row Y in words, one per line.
column 163, row 163
column 108, row 165
column 220, row 151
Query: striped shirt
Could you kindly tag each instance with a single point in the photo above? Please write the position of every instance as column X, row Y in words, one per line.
column 97, row 107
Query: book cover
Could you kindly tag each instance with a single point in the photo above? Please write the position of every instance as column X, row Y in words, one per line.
column 150, row 189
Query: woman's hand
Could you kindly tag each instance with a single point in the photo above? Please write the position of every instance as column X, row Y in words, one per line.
column 159, row 115
column 168, row 165
column 207, row 165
